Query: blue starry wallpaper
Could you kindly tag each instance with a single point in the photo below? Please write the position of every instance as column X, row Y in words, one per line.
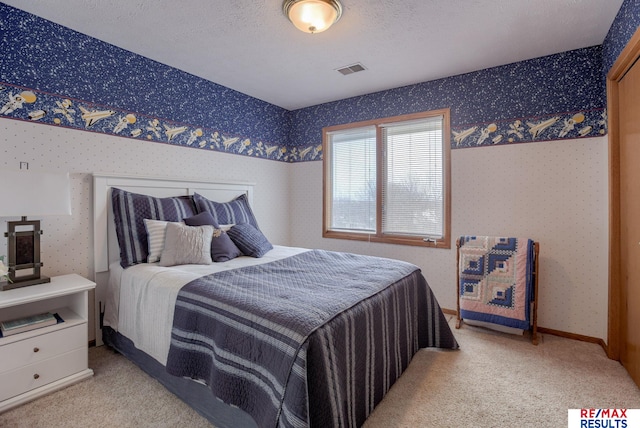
column 52, row 75
column 623, row 28
column 80, row 82
column 549, row 98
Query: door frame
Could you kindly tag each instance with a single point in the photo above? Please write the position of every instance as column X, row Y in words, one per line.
column 625, row 61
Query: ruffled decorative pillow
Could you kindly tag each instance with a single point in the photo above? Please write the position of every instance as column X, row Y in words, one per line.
column 187, row 245
column 222, row 247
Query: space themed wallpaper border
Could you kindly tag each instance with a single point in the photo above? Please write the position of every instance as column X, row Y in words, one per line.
column 36, row 106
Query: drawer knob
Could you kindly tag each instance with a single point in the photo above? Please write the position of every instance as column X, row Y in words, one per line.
column 36, row 376
column 36, row 349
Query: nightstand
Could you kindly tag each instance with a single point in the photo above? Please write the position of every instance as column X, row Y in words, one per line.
column 40, row 361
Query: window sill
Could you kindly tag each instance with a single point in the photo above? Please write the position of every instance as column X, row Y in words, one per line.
column 442, row 243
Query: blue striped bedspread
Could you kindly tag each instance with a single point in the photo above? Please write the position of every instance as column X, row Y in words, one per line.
column 315, row 339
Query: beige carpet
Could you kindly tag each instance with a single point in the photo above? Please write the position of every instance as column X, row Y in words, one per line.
column 494, row 380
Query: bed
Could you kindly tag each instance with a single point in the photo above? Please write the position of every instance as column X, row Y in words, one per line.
column 285, row 337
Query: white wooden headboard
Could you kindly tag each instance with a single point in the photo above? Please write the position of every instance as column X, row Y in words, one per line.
column 105, row 242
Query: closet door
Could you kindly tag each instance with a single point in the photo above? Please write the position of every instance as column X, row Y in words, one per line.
column 623, row 93
column 629, row 137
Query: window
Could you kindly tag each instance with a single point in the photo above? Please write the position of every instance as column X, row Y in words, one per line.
column 387, row 180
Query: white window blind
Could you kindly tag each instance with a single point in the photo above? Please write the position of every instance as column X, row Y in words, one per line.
column 413, row 199
column 353, row 179
column 386, row 180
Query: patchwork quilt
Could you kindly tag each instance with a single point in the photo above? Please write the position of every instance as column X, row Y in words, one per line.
column 496, row 280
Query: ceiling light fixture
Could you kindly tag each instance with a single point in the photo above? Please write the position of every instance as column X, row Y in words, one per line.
column 312, row 16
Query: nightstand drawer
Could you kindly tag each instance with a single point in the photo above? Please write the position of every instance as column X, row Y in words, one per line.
column 29, row 351
column 42, row 373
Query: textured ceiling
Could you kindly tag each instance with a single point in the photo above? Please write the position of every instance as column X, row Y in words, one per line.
column 250, row 46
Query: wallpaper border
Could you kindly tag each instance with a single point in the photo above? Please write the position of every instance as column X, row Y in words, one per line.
column 551, row 127
column 31, row 105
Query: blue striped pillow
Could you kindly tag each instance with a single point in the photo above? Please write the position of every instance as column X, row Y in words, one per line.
column 233, row 212
column 129, row 212
column 249, row 240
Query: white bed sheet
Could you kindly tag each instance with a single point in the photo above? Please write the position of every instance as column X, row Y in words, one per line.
column 142, row 297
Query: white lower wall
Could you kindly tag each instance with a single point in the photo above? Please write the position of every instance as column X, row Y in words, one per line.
column 553, row 192
column 67, row 242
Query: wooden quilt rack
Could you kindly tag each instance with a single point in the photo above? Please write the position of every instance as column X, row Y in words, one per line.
column 534, row 302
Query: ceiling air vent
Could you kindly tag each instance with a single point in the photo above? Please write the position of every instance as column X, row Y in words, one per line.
column 350, row 69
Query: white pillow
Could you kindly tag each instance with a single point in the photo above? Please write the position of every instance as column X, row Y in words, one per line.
column 187, row 245
column 155, row 235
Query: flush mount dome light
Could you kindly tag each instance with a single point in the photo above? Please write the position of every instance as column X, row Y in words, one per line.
column 312, row 16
